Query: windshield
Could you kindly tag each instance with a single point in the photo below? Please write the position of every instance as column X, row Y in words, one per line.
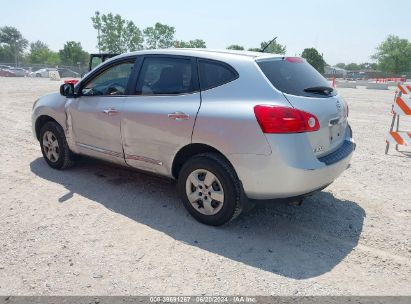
column 295, row 76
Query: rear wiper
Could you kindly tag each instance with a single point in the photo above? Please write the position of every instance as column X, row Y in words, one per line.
column 321, row 90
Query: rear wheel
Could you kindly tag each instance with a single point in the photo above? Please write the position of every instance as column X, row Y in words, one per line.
column 54, row 146
column 210, row 189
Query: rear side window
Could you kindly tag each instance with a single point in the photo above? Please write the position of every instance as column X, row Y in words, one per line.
column 214, row 74
column 294, row 76
column 165, row 76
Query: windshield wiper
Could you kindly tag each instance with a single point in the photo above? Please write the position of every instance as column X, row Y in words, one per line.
column 320, row 90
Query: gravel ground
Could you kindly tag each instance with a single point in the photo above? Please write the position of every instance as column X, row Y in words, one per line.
column 101, row 229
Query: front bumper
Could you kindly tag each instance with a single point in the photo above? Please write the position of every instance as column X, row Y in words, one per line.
column 292, row 169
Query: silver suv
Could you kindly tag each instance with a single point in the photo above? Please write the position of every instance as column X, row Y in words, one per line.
column 227, row 125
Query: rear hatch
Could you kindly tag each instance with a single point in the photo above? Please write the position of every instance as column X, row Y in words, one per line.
column 307, row 90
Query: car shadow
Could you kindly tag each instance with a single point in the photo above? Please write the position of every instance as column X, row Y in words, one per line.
column 298, row 242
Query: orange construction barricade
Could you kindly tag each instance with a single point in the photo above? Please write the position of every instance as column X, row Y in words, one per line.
column 401, row 107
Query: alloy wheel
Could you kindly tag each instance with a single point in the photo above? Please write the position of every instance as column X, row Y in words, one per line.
column 51, row 146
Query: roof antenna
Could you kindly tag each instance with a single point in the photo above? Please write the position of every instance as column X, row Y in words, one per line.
column 263, row 49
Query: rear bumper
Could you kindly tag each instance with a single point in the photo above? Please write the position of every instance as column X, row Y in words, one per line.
column 292, row 169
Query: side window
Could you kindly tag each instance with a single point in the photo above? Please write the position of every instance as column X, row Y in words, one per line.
column 112, row 81
column 159, row 76
column 214, row 74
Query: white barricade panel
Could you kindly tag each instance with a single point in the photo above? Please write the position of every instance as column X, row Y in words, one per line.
column 54, row 75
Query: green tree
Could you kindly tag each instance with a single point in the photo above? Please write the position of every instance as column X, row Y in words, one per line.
column 314, row 58
column 394, row 55
column 40, row 53
column 193, row 44
column 53, row 58
column 368, row 66
column 254, row 49
column 115, row 34
column 133, row 37
column 352, row 67
column 97, row 25
column 6, row 55
column 72, row 53
column 159, row 36
column 235, row 47
column 355, row 66
column 12, row 43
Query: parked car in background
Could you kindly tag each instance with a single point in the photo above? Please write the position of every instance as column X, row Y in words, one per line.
column 42, row 72
column 226, row 125
column 65, row 72
column 6, row 73
column 5, row 67
column 19, row 72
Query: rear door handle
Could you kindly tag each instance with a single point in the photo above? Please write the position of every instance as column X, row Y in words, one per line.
column 179, row 116
column 110, row 111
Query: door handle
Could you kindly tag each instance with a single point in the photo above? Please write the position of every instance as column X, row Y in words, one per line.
column 179, row 116
column 110, row 111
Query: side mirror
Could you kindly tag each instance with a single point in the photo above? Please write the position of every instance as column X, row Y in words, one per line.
column 67, row 89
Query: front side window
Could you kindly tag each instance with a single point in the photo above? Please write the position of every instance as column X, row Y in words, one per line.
column 214, row 74
column 165, row 76
column 112, row 81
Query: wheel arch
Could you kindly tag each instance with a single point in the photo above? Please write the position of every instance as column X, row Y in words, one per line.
column 189, row 151
column 40, row 121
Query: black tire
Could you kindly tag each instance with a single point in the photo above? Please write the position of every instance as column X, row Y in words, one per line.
column 65, row 156
column 234, row 196
column 38, row 75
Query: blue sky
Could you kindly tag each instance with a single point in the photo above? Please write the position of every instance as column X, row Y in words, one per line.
column 343, row 30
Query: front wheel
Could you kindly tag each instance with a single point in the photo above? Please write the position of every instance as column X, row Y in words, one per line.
column 54, row 146
column 210, row 189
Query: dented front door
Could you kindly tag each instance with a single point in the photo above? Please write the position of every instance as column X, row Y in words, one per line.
column 94, row 123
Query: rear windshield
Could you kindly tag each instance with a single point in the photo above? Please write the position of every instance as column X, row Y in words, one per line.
column 294, row 76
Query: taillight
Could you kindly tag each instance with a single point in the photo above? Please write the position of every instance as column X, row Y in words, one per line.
column 277, row 119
